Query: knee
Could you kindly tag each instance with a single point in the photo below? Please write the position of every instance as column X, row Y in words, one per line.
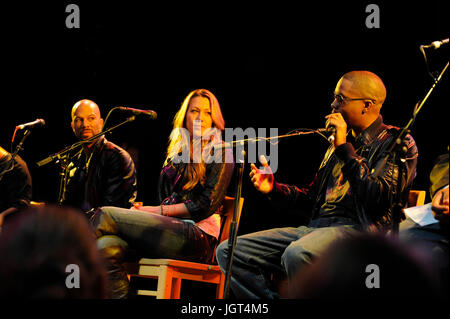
column 103, row 223
column 106, row 209
column 107, row 241
column 222, row 254
column 294, row 257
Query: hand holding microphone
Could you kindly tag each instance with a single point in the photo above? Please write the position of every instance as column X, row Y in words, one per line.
column 335, row 122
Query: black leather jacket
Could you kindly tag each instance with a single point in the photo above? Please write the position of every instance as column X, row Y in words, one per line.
column 110, row 179
column 367, row 198
column 15, row 183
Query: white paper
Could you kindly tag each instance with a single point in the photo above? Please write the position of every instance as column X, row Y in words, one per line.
column 421, row 215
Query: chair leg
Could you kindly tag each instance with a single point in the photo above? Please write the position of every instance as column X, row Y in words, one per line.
column 176, row 288
column 164, row 283
column 220, row 287
column 169, row 282
column 169, row 287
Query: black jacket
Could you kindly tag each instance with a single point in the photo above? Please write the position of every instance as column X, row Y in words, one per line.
column 367, row 200
column 204, row 199
column 110, row 179
column 15, row 183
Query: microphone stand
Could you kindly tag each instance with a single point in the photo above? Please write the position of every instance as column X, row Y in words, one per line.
column 16, row 151
column 259, row 139
column 238, row 195
column 19, row 146
column 62, row 157
column 398, row 151
column 234, row 226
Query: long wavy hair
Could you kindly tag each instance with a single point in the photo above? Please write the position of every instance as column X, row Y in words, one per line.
column 179, row 140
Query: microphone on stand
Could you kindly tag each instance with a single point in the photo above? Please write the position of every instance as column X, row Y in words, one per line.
column 435, row 44
column 151, row 114
column 328, row 132
column 30, row 125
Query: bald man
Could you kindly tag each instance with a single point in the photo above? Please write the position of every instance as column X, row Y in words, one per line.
column 101, row 173
column 344, row 198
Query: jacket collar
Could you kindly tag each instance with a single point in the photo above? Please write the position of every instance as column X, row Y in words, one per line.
column 370, row 133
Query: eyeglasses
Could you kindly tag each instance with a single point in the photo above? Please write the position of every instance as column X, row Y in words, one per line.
column 341, row 99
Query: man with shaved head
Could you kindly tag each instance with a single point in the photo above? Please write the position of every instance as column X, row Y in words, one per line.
column 344, row 198
column 101, row 173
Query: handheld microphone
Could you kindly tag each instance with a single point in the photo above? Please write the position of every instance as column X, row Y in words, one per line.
column 149, row 113
column 30, row 125
column 330, row 131
column 435, row 44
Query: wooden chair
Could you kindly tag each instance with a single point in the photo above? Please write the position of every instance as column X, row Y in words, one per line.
column 170, row 272
column 416, row 198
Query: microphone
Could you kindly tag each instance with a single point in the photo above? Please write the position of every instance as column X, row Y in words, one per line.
column 330, row 131
column 149, row 113
column 435, row 44
column 30, row 125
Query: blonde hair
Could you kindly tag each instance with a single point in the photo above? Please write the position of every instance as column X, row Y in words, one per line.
column 179, row 140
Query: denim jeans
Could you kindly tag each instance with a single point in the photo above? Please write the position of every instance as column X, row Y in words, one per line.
column 280, row 251
column 152, row 236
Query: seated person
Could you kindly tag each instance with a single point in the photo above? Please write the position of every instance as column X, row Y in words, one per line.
column 345, row 196
column 101, row 173
column 433, row 238
column 15, row 184
column 192, row 185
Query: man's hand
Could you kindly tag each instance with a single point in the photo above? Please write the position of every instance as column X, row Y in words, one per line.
column 336, row 120
column 262, row 178
column 439, row 205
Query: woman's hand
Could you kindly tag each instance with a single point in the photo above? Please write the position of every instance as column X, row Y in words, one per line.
column 175, row 210
column 149, row 209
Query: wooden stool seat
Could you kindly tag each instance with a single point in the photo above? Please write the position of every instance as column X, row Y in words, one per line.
column 170, row 272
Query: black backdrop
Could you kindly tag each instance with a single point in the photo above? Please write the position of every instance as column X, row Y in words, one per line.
column 270, row 65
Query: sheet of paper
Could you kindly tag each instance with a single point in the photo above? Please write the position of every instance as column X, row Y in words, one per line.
column 421, row 215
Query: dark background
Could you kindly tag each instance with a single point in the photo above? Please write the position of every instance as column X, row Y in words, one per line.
column 269, row 64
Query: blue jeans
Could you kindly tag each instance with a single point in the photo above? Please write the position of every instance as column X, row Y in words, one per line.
column 280, row 251
column 151, row 235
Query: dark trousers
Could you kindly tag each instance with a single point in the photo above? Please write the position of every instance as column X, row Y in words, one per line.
column 281, row 251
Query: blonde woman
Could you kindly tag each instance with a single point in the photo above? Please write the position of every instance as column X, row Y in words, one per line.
column 192, row 185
